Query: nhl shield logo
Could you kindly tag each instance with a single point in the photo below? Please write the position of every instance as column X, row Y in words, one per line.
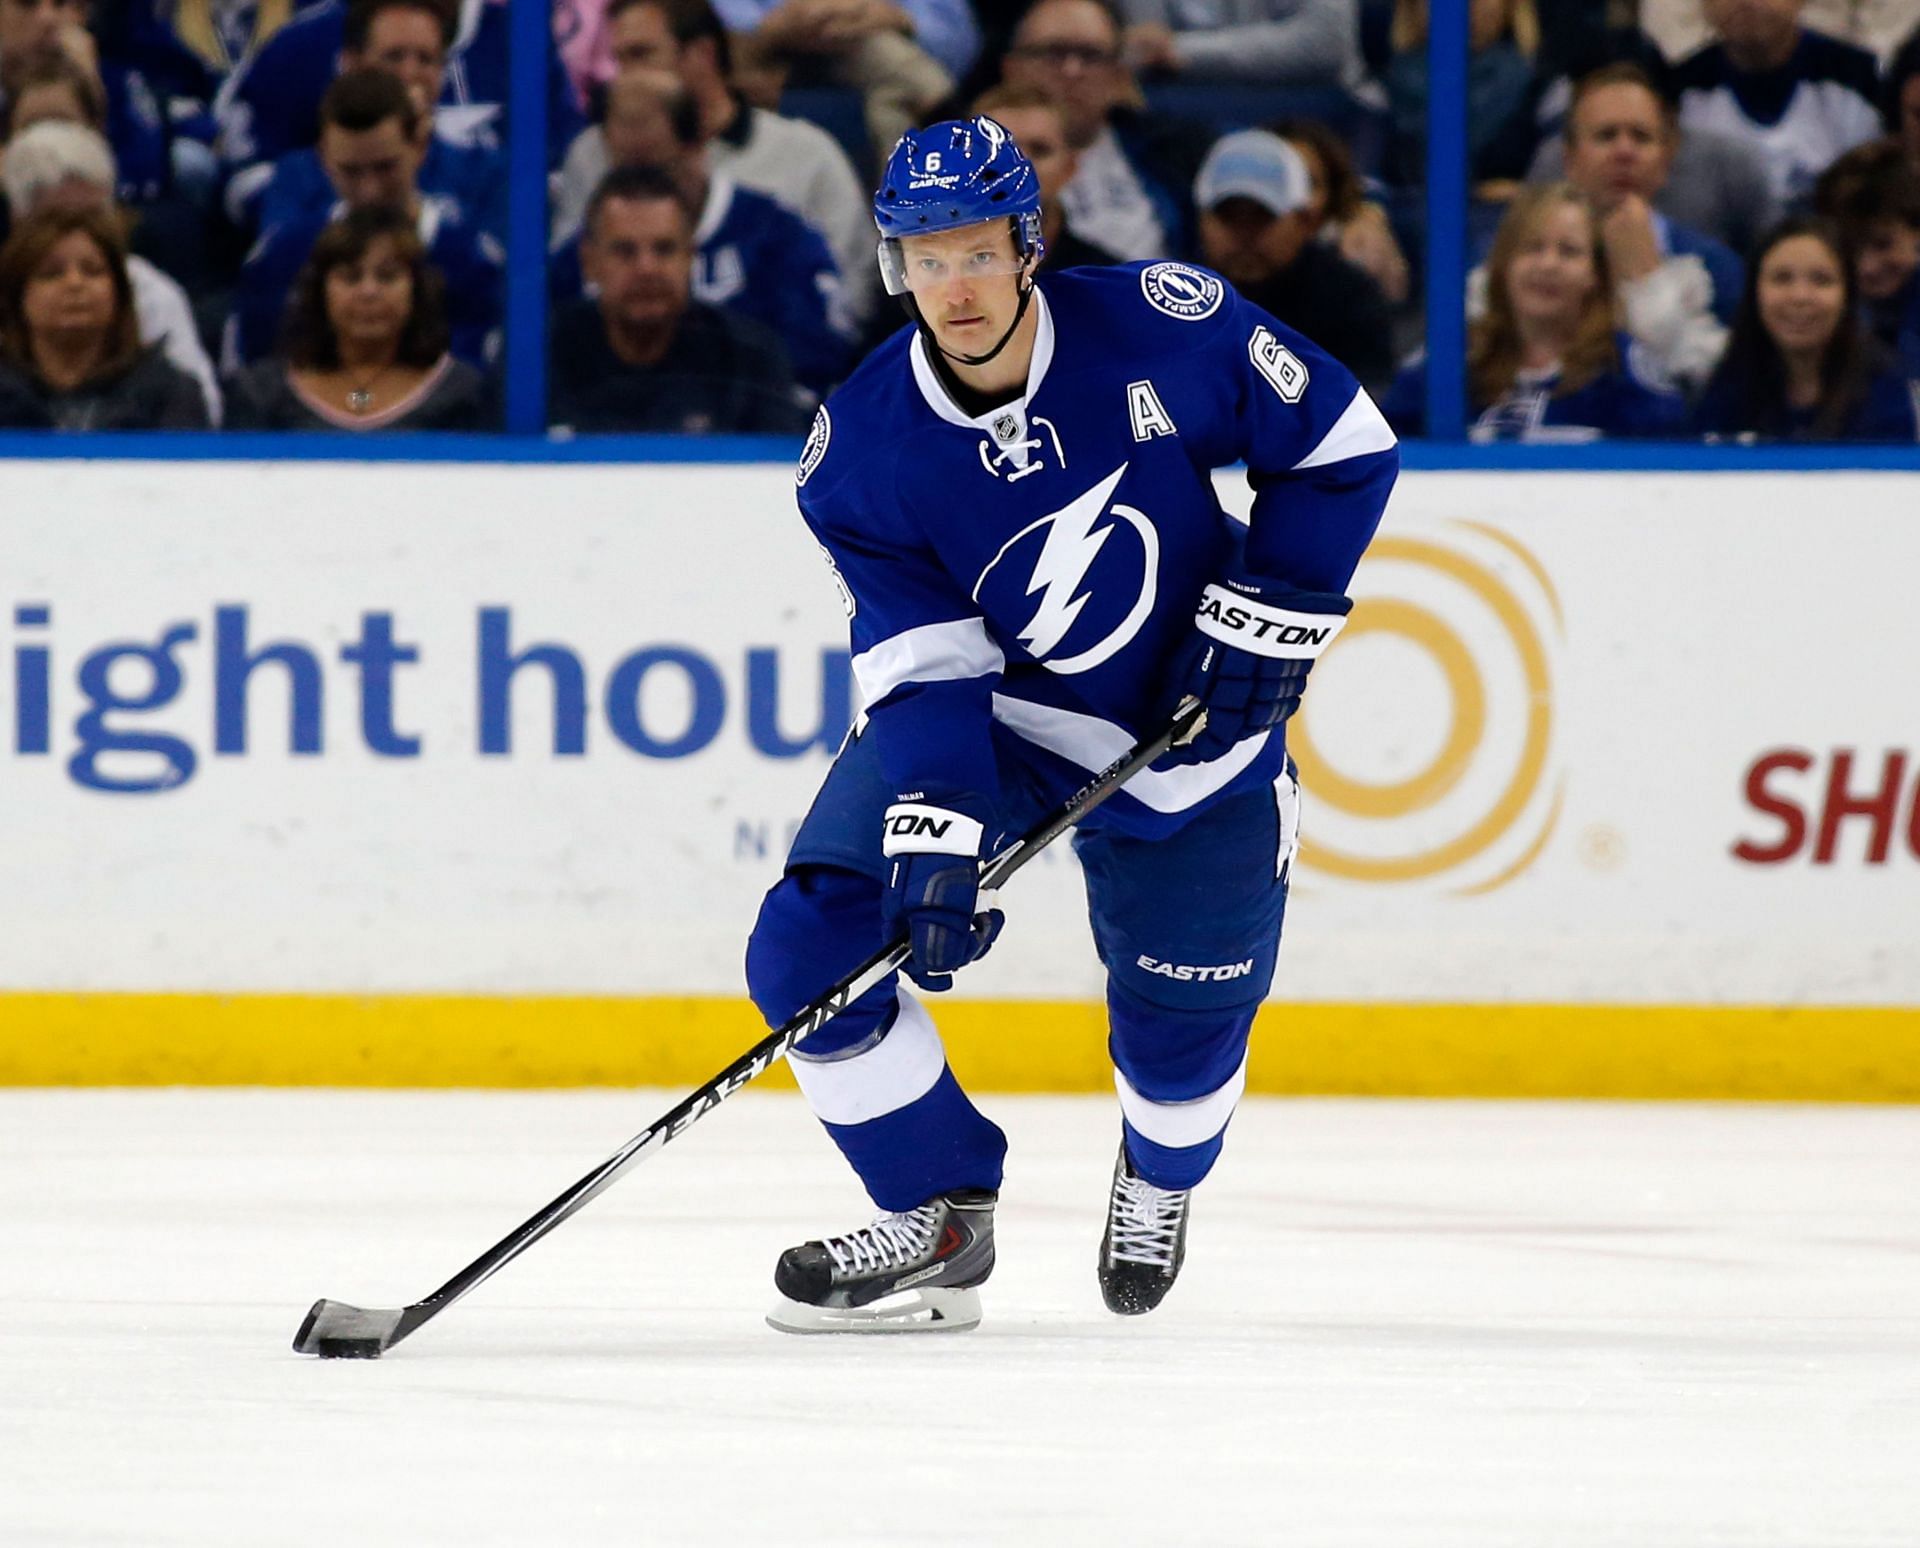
column 1182, row 291
column 1005, row 428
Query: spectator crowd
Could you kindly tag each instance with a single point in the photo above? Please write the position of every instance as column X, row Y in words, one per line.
column 1688, row 218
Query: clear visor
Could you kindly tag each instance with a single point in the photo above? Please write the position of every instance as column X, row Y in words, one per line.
column 923, row 270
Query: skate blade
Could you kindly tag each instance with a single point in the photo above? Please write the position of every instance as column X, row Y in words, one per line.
column 911, row 1311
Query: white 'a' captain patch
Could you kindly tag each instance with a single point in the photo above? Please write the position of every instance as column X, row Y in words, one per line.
column 1146, row 412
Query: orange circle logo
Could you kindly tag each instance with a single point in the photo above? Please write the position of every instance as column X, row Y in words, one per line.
column 1480, row 608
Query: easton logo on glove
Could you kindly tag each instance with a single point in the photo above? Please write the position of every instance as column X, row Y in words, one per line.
column 1264, row 629
column 911, row 828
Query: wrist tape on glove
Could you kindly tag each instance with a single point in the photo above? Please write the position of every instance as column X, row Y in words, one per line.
column 912, row 828
column 1263, row 629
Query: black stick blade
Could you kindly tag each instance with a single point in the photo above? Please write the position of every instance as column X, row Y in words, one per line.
column 334, row 1330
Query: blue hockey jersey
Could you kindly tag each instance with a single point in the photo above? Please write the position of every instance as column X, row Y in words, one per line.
column 1036, row 566
column 468, row 181
column 759, row 260
column 271, row 103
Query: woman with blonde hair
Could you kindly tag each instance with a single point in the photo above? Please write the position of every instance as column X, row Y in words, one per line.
column 70, row 350
column 1547, row 361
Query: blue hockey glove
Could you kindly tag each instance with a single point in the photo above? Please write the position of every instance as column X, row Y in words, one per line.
column 1248, row 658
column 933, row 891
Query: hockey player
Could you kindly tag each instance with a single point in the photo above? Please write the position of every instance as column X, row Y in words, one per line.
column 1015, row 495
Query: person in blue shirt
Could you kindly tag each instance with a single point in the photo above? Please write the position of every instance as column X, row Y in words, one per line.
column 1015, row 499
column 271, row 104
column 465, row 169
column 753, row 256
column 1677, row 287
column 373, row 142
column 1802, row 365
column 1546, row 361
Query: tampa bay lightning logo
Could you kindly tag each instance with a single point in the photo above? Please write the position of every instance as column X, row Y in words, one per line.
column 1182, row 291
column 1086, row 574
column 816, row 446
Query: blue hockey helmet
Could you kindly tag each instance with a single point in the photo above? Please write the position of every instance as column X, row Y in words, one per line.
column 952, row 174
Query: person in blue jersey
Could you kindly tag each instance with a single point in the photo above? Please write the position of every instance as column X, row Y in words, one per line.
column 373, row 142
column 754, row 257
column 1802, row 364
column 271, row 104
column 1015, row 497
column 1547, row 361
column 1677, row 287
column 464, row 171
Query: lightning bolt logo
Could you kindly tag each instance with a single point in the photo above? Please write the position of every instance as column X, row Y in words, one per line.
column 1071, row 547
column 1067, row 554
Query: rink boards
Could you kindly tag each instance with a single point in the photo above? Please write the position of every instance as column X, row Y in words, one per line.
column 473, row 775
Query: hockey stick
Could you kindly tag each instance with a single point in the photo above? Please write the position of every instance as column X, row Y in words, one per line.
column 335, row 1330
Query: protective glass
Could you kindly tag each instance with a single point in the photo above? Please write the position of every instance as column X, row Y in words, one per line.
column 924, row 270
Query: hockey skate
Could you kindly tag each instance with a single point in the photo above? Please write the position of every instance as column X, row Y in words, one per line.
column 1146, row 1240
column 914, row 1272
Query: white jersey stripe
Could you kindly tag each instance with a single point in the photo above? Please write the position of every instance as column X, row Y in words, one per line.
column 1180, row 1124
column 872, row 1082
column 1360, row 430
column 1093, row 743
column 933, row 653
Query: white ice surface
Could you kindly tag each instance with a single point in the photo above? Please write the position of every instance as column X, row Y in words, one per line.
column 1484, row 1325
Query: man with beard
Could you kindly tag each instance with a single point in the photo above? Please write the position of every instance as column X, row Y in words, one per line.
column 642, row 354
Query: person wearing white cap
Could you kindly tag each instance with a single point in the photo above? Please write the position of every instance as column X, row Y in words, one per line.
column 1253, row 195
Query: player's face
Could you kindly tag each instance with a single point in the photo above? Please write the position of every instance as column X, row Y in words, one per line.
column 26, row 25
column 1888, row 255
column 1070, row 50
column 966, row 283
column 1041, row 135
column 408, row 43
column 369, row 297
column 1802, row 293
column 1553, row 275
column 642, row 40
column 639, row 255
column 69, row 295
column 1247, row 242
column 1754, row 24
column 373, row 166
column 1618, row 144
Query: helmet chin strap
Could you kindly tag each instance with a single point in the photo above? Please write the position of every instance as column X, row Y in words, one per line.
column 1026, row 297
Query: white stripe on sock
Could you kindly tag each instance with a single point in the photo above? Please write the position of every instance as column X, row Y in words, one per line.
column 901, row 1068
column 1181, row 1124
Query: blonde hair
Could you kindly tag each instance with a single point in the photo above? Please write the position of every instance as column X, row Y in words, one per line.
column 1493, row 343
column 193, row 25
column 1409, row 28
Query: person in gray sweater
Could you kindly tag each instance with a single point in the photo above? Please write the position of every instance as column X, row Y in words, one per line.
column 1249, row 42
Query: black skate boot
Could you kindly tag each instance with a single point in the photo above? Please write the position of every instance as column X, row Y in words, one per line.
column 1146, row 1240
column 913, row 1272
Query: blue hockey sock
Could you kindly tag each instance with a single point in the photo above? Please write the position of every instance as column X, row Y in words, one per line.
column 936, row 1143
